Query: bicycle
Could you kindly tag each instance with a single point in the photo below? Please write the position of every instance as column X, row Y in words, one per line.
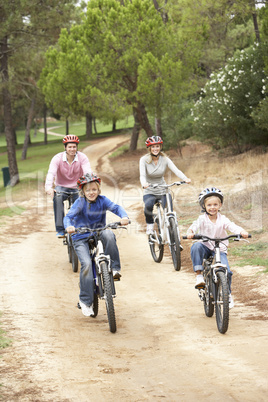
column 166, row 229
column 215, row 293
column 67, row 241
column 104, row 287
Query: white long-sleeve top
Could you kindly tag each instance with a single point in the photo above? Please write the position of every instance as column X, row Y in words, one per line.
column 154, row 174
column 204, row 226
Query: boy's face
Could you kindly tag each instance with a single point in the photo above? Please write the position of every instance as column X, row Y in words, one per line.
column 91, row 191
column 71, row 148
column 212, row 204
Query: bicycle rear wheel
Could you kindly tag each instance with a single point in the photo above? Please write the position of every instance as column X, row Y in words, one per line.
column 174, row 246
column 208, row 299
column 155, row 243
column 222, row 303
column 74, row 259
column 69, row 245
column 95, row 305
column 108, row 296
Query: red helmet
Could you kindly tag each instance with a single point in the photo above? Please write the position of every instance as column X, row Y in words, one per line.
column 70, row 138
column 88, row 178
column 155, row 139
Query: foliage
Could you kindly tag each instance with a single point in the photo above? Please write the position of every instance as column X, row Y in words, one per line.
column 121, row 55
column 223, row 113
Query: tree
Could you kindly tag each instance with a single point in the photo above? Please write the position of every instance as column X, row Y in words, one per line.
column 24, row 25
column 124, row 53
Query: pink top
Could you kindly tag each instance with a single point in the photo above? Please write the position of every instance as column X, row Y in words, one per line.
column 61, row 173
column 204, row 226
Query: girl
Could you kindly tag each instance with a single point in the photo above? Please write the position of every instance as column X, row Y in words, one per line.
column 212, row 224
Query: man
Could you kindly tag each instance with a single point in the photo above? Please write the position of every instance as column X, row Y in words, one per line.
column 64, row 170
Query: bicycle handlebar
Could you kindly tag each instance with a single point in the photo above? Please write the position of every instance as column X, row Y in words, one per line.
column 112, row 225
column 176, row 183
column 65, row 192
column 207, row 238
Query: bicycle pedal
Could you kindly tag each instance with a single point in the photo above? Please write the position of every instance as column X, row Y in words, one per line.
column 200, row 286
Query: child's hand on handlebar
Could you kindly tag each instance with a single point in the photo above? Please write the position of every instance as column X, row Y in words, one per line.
column 187, row 180
column 244, row 234
column 124, row 221
column 190, row 234
column 70, row 229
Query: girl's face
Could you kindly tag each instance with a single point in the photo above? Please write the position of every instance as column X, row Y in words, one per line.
column 212, row 204
column 91, row 191
column 155, row 149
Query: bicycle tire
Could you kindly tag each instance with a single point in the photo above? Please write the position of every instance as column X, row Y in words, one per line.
column 107, row 287
column 208, row 299
column 69, row 247
column 74, row 260
column 95, row 305
column 222, row 303
column 174, row 245
column 156, row 247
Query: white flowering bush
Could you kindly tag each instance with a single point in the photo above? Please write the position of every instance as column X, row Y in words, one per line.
column 223, row 114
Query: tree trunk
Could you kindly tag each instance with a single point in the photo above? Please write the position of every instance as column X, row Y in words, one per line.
column 143, row 119
column 88, row 125
column 28, row 130
column 11, row 146
column 45, row 124
column 114, row 126
column 158, row 127
column 135, row 133
column 67, row 127
column 256, row 27
column 95, row 126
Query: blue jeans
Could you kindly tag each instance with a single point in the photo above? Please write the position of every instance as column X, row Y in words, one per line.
column 82, row 250
column 149, row 202
column 59, row 207
column 199, row 252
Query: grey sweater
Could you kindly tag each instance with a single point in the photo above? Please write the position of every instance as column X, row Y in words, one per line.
column 154, row 174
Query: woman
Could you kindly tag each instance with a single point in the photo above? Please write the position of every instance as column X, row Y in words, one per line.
column 152, row 170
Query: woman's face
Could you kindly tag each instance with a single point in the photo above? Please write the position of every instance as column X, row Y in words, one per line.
column 155, row 149
column 91, row 191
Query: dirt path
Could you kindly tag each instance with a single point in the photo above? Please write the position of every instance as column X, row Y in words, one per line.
column 164, row 348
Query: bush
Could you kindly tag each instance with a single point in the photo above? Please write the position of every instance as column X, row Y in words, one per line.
column 223, row 115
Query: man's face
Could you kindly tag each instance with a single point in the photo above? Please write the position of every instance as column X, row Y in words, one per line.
column 71, row 148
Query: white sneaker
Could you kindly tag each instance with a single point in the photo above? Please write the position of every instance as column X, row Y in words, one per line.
column 200, row 283
column 150, row 229
column 86, row 310
column 231, row 301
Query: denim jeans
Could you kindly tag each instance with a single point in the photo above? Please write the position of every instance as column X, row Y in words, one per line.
column 199, row 252
column 59, row 207
column 149, row 202
column 86, row 274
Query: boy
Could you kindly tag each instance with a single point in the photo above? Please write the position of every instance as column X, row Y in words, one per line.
column 90, row 210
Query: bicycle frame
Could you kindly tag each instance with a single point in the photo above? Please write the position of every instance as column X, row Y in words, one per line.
column 167, row 213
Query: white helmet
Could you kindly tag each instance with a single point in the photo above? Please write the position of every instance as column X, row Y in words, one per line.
column 209, row 192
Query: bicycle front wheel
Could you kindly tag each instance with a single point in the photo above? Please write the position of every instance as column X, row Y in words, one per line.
column 155, row 243
column 174, row 245
column 108, row 296
column 222, row 303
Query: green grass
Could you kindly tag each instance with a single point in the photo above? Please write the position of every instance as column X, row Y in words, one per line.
column 251, row 254
column 75, row 127
column 11, row 212
column 4, row 341
column 120, row 151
